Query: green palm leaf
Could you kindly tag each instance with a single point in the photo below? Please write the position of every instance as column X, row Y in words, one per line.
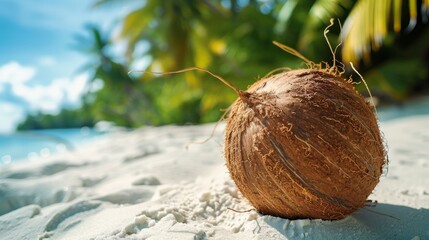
column 135, row 23
column 304, row 21
column 318, row 17
column 368, row 24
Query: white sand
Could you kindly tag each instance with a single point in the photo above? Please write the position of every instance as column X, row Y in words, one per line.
column 146, row 185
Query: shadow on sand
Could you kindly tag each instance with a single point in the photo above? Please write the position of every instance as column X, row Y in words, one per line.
column 384, row 221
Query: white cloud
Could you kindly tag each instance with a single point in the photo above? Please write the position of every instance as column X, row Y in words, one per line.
column 77, row 88
column 50, row 98
column 14, row 114
column 14, row 73
column 47, row 98
column 44, row 98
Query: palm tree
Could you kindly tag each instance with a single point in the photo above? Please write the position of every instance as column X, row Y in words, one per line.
column 121, row 99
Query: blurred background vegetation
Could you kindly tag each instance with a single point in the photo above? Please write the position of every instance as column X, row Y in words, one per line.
column 387, row 39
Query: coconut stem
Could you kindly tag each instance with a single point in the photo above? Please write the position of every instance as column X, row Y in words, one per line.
column 325, row 33
column 193, row 69
column 292, row 51
column 367, row 88
column 245, row 97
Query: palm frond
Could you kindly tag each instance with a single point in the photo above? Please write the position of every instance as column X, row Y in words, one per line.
column 285, row 14
column 323, row 10
column 136, row 23
column 319, row 15
column 369, row 23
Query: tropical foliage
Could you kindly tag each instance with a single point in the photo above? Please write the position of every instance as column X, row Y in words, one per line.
column 368, row 24
column 120, row 99
column 388, row 39
column 230, row 38
column 67, row 118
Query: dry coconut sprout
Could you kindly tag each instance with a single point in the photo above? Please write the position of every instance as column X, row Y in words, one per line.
column 303, row 143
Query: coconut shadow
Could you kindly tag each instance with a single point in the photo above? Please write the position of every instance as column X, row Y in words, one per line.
column 384, row 221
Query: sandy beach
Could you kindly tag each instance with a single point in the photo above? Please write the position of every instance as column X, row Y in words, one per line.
column 153, row 183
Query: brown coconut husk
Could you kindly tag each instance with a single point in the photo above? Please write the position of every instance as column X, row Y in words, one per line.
column 304, row 144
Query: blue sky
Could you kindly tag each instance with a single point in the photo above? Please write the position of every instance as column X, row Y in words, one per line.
column 38, row 65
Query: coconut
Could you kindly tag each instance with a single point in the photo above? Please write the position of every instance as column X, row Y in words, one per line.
column 304, row 144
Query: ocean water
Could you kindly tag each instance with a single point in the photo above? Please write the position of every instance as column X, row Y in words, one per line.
column 27, row 145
